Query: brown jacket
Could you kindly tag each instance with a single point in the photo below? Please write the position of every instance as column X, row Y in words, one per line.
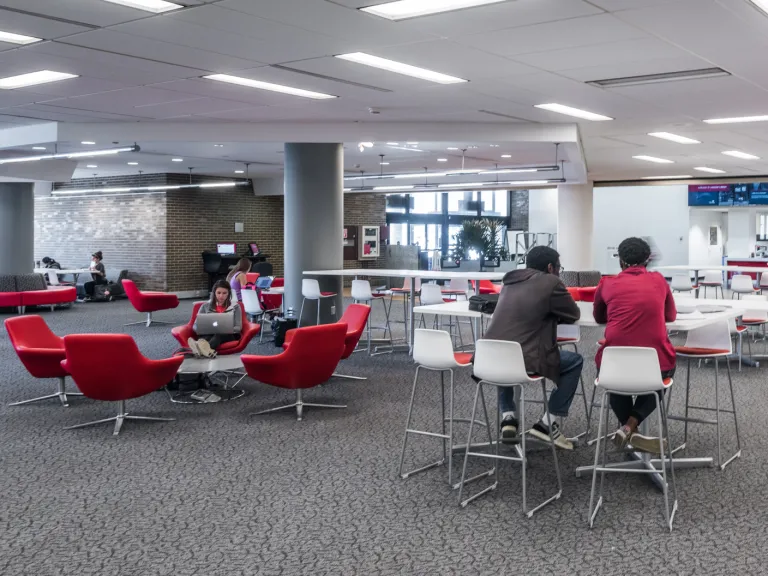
column 531, row 305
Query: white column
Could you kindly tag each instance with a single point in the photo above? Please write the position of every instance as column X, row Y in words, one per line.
column 574, row 226
column 742, row 228
column 17, row 227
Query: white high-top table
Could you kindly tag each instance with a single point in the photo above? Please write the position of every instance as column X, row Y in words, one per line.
column 699, row 267
column 412, row 274
column 54, row 273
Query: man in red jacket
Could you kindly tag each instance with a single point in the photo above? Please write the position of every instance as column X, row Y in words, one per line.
column 636, row 305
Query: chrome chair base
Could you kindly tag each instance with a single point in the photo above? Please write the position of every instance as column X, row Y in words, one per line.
column 148, row 322
column 60, row 393
column 299, row 405
column 122, row 415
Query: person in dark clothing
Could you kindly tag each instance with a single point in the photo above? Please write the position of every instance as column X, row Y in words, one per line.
column 49, row 262
column 98, row 274
column 636, row 305
column 531, row 304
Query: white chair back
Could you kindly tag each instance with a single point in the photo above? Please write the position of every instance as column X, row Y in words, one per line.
column 631, row 370
column 570, row 331
column 310, row 289
column 500, row 362
column 251, row 302
column 433, row 349
column 742, row 283
column 764, row 280
column 713, row 277
column 431, row 294
column 53, row 278
column 361, row 291
column 716, row 336
column 755, row 314
column 684, row 295
column 459, row 285
column 682, row 282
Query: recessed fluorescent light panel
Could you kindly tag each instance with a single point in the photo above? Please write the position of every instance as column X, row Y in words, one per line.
column 656, row 78
column 653, row 159
column 33, row 79
column 675, row 177
column 87, row 143
column 710, row 170
column 409, row 149
column 90, row 154
column 177, row 159
column 12, row 38
column 393, row 188
column 239, row 171
column 740, row 154
column 569, row 111
column 673, row 137
column 133, row 163
column 154, row 6
column 248, row 82
column 403, row 9
column 91, row 166
column 399, row 68
column 38, row 147
column 737, row 119
column 442, row 159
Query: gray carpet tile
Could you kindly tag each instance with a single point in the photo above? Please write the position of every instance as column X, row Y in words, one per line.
column 220, row 492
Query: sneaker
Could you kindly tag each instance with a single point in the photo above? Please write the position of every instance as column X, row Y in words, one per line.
column 205, row 349
column 192, row 343
column 621, row 437
column 540, row 430
column 647, row 444
column 509, row 430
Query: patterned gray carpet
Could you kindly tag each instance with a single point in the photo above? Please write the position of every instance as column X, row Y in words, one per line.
column 222, row 493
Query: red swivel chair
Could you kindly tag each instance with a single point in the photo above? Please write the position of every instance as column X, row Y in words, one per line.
column 109, row 367
column 250, row 331
column 273, row 301
column 310, row 360
column 41, row 352
column 250, row 278
column 148, row 302
column 355, row 317
column 488, row 287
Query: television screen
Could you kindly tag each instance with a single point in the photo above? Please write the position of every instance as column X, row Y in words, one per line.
column 759, row 197
column 226, row 248
column 254, row 248
column 703, row 198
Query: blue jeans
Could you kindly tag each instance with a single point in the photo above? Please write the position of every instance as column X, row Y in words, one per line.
column 562, row 396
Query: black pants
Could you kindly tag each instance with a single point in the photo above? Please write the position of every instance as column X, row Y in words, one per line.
column 216, row 340
column 90, row 285
column 642, row 407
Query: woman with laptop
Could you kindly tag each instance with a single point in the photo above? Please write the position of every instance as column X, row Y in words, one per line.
column 218, row 321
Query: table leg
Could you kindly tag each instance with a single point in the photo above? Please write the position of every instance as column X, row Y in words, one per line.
column 696, row 281
column 412, row 326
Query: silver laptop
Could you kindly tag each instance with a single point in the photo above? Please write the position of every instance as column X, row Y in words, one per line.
column 216, row 323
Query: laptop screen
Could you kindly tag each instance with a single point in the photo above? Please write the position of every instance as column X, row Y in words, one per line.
column 226, row 248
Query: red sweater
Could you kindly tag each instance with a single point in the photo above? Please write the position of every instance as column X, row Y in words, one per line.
column 635, row 306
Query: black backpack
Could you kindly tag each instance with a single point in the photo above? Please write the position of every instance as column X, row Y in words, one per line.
column 485, row 303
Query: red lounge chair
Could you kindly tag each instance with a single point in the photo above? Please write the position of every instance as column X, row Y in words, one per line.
column 148, row 302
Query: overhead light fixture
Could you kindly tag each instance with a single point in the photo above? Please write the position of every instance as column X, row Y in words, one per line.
column 664, row 77
column 393, row 188
column 154, row 6
column 87, row 143
column 442, row 159
column 512, row 170
column 710, row 170
column 393, row 143
column 224, row 184
column 740, row 154
column 452, row 148
column 412, row 143
column 384, row 163
column 91, row 166
column 409, row 149
column 218, row 145
column 675, row 177
column 177, row 159
column 532, row 182
column 38, row 148
column 33, row 79
column 653, row 159
column 506, row 155
column 737, row 120
column 239, row 171
column 570, row 111
column 88, row 154
column 363, row 145
column 673, row 137
column 399, row 68
column 133, row 163
column 464, row 184
column 248, row 82
column 12, row 38
column 403, row 9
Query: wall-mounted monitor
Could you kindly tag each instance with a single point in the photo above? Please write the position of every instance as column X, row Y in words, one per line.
column 703, row 198
column 226, row 248
column 254, row 248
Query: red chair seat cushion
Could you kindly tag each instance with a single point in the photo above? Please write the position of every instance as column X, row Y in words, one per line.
column 700, row 351
column 710, row 283
column 561, row 340
column 754, row 320
column 327, row 294
column 47, row 297
column 574, row 292
column 463, row 357
column 740, row 328
column 587, row 294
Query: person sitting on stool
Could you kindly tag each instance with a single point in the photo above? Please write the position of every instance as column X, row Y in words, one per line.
column 220, row 303
column 635, row 305
column 98, row 274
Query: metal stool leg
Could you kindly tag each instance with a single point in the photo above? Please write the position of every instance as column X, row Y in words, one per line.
column 735, row 418
column 301, row 312
column 593, row 508
column 665, row 434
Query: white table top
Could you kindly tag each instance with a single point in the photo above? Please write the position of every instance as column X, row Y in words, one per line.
column 57, row 271
column 461, row 308
column 689, row 267
column 428, row 274
column 276, row 290
column 208, row 365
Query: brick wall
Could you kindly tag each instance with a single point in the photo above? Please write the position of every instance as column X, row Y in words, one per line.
column 130, row 229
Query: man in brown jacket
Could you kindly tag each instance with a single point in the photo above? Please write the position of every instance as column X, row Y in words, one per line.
column 531, row 305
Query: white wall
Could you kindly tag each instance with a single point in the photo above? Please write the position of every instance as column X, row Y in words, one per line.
column 699, row 250
column 542, row 211
column 659, row 212
column 740, row 242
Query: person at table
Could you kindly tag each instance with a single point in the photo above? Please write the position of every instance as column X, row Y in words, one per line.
column 49, row 262
column 237, row 278
column 635, row 305
column 531, row 304
column 220, row 303
column 98, row 274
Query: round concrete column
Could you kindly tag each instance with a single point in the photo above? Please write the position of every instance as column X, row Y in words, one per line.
column 314, row 225
column 17, row 227
column 574, row 226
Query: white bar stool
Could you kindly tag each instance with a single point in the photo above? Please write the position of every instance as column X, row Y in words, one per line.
column 630, row 371
column 682, row 283
column 709, row 342
column 570, row 335
column 405, row 293
column 433, row 294
column 755, row 318
column 361, row 292
column 763, row 281
column 713, row 279
column 310, row 290
column 738, row 332
column 500, row 363
column 742, row 284
column 433, row 350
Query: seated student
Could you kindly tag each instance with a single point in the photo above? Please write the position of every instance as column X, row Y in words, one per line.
column 49, row 262
column 635, row 305
column 531, row 304
column 220, row 303
column 98, row 274
column 237, row 278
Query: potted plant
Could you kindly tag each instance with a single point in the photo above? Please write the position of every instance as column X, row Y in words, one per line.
column 492, row 244
column 471, row 238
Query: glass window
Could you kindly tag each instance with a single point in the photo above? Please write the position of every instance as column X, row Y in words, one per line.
column 419, row 235
column 433, row 236
column 427, row 203
column 398, row 234
column 495, row 203
column 459, row 203
column 396, row 203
